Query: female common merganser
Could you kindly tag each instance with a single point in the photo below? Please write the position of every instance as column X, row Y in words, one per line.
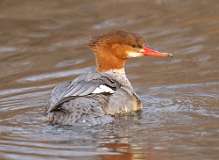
column 94, row 98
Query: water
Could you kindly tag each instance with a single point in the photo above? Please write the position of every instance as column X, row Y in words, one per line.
column 43, row 43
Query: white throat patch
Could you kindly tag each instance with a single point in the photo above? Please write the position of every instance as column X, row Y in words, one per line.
column 134, row 54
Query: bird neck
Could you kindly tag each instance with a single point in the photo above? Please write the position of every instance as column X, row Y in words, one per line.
column 106, row 62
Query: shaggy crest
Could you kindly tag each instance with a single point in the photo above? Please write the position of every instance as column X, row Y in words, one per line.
column 117, row 37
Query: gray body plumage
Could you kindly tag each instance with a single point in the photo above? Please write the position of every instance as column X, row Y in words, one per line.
column 78, row 102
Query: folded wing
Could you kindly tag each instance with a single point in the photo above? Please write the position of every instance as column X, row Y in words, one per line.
column 93, row 83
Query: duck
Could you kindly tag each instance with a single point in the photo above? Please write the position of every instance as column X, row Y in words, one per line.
column 98, row 97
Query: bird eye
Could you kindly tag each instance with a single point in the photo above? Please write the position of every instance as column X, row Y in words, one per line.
column 136, row 46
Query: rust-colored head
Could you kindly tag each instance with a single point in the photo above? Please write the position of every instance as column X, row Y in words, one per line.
column 114, row 48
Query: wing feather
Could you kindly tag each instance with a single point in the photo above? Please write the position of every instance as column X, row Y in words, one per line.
column 81, row 86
